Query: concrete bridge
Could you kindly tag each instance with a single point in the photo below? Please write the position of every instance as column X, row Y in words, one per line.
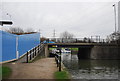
column 89, row 50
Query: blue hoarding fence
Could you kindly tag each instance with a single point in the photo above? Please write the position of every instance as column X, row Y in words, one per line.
column 0, row 46
column 11, row 44
column 27, row 42
column 8, row 46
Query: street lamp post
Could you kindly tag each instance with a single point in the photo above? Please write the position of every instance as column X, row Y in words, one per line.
column 115, row 16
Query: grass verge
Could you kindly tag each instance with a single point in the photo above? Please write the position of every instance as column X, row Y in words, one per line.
column 6, row 72
column 74, row 49
column 62, row 76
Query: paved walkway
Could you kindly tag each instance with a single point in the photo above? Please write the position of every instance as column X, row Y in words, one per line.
column 40, row 69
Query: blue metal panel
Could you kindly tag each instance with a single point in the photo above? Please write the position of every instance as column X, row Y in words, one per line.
column 8, row 46
column 0, row 46
column 28, row 41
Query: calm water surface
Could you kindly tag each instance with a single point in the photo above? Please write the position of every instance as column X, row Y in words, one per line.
column 91, row 69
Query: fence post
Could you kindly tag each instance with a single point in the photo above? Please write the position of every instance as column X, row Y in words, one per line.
column 38, row 48
column 30, row 55
column 60, row 63
column 27, row 57
column 33, row 52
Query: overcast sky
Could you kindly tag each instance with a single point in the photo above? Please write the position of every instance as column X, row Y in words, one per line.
column 83, row 19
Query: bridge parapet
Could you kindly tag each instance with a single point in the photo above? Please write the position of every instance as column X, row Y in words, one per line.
column 91, row 39
column 92, row 50
column 82, row 44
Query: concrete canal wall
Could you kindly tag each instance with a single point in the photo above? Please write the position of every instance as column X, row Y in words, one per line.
column 99, row 52
column 105, row 52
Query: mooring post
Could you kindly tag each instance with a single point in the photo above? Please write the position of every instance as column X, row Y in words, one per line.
column 27, row 57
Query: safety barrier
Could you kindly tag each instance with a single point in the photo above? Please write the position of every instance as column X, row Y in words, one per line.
column 31, row 54
column 58, row 61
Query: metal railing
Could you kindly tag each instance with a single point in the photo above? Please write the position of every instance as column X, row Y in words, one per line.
column 78, row 40
column 31, row 54
column 85, row 40
column 58, row 61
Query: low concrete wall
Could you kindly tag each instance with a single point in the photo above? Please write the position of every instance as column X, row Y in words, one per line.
column 105, row 52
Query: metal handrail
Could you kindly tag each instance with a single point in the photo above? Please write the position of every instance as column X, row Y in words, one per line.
column 58, row 61
column 31, row 54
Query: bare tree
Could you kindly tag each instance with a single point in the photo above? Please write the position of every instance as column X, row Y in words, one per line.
column 87, row 40
column 43, row 39
column 28, row 30
column 113, row 37
column 15, row 30
column 66, row 36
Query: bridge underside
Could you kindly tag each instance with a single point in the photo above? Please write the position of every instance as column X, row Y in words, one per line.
column 84, row 53
column 71, row 46
column 92, row 51
column 83, row 50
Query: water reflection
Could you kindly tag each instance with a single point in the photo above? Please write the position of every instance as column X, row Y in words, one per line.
column 91, row 69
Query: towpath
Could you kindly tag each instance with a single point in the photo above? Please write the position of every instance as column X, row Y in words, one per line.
column 41, row 69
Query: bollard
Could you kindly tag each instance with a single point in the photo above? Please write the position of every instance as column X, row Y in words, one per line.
column 27, row 57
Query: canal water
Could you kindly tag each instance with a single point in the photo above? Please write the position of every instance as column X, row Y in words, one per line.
column 91, row 69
